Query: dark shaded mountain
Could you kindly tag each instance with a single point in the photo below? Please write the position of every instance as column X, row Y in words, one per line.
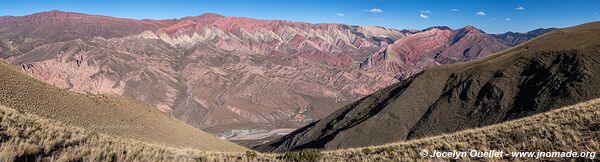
column 560, row 68
column 515, row 38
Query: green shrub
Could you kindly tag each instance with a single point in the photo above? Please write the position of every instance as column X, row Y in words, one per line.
column 292, row 156
column 304, row 155
column 386, row 150
column 251, row 154
column 199, row 159
column 367, row 151
column 389, row 150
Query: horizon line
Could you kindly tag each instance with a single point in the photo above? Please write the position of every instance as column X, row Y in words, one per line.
column 293, row 21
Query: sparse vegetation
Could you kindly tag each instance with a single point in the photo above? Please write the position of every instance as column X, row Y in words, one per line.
column 107, row 114
column 558, row 69
column 28, row 137
column 570, row 128
column 367, row 151
column 390, row 151
column 251, row 154
column 303, row 155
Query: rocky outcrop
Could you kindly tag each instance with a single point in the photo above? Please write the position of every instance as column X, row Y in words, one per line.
column 431, row 47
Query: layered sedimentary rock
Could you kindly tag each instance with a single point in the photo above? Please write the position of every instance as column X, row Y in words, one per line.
column 224, row 74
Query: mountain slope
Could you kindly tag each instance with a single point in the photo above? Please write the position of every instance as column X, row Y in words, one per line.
column 28, row 137
column 102, row 113
column 557, row 69
column 434, row 46
column 571, row 128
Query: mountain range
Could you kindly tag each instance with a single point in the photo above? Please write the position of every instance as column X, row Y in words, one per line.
column 80, row 87
column 233, row 76
column 557, row 69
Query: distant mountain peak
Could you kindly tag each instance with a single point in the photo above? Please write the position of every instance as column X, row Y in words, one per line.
column 469, row 27
column 56, row 12
column 540, row 31
column 470, row 30
column 514, row 38
column 65, row 15
column 210, row 14
column 438, row 27
column 203, row 18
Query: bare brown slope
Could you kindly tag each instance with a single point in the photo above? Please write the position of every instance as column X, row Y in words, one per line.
column 557, row 69
column 102, row 113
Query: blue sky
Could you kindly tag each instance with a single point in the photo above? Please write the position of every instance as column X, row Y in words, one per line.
column 493, row 16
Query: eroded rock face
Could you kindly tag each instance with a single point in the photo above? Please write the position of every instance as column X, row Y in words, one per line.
column 228, row 73
column 213, row 72
column 514, row 38
column 205, row 88
column 431, row 47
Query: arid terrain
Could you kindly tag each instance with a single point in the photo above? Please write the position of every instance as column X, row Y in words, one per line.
column 106, row 114
column 84, row 87
column 219, row 73
column 572, row 128
column 557, row 69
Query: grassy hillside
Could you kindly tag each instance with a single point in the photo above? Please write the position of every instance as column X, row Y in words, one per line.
column 575, row 127
column 112, row 115
column 28, row 137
